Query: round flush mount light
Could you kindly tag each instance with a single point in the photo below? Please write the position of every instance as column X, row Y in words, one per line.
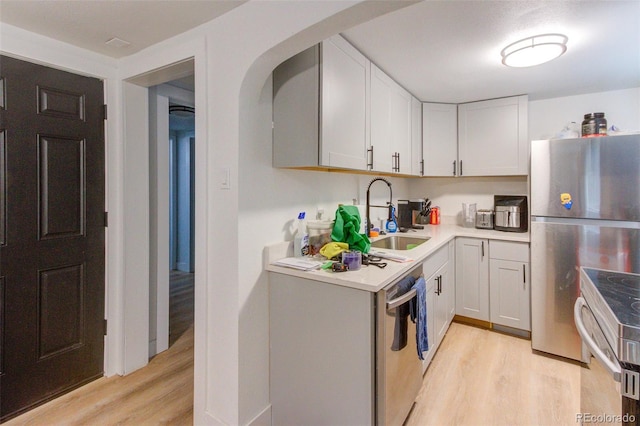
column 181, row 110
column 534, row 50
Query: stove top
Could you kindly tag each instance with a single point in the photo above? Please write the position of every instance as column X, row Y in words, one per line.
column 621, row 291
column 614, row 297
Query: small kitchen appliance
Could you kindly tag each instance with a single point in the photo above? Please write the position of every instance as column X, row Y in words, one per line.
column 484, row 219
column 410, row 213
column 511, row 213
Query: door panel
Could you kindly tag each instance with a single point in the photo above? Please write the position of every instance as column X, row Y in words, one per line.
column 61, row 187
column 52, row 245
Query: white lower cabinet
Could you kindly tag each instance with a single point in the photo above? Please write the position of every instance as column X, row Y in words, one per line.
column 493, row 282
column 322, row 353
column 472, row 278
column 440, row 297
column 509, row 284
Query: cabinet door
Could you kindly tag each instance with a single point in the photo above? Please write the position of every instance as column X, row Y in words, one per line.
column 492, row 137
column 443, row 293
column 401, row 107
column 431, row 325
column 451, row 281
column 472, row 278
column 440, row 139
column 417, row 164
column 381, row 121
column 390, row 124
column 510, row 297
column 344, row 105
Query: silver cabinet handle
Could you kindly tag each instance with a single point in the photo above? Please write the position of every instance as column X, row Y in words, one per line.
column 460, row 167
column 482, row 249
column 454, row 167
column 370, row 164
column 422, row 167
column 394, row 303
column 612, row 368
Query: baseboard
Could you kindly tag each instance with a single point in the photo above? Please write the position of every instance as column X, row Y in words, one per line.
column 492, row 326
column 512, row 331
column 472, row 321
column 153, row 348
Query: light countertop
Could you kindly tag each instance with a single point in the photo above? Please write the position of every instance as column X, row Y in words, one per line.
column 373, row 278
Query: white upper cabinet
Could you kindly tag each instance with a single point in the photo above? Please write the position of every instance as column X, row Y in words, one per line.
column 417, row 162
column 440, row 139
column 320, row 108
column 493, row 137
column 345, row 75
column 390, row 124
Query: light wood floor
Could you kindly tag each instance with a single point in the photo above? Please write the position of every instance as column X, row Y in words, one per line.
column 181, row 304
column 482, row 377
column 478, row 377
column 160, row 393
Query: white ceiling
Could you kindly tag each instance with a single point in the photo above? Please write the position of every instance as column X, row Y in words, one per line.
column 441, row 51
column 449, row 51
column 91, row 23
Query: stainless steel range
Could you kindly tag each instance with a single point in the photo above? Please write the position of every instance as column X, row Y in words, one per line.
column 607, row 316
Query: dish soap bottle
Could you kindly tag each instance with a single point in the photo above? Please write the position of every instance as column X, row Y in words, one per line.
column 301, row 240
column 392, row 224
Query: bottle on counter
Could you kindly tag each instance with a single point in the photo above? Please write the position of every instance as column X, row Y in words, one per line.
column 301, row 239
column 392, row 223
column 435, row 216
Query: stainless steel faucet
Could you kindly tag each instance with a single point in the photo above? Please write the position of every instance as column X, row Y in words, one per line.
column 369, row 205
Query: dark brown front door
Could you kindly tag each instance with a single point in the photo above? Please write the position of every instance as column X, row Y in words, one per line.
column 51, row 233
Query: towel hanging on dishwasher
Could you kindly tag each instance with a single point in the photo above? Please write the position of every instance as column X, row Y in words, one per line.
column 402, row 312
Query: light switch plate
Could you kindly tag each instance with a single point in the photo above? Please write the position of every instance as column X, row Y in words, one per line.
column 224, row 178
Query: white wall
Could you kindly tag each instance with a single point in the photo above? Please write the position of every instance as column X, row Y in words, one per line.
column 548, row 116
column 450, row 193
column 158, row 222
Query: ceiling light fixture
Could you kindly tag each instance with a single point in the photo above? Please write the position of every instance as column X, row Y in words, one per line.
column 534, row 50
column 181, row 110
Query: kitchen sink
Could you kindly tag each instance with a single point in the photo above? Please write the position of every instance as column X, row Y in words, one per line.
column 399, row 242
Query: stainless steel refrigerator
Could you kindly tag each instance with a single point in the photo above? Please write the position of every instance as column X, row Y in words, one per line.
column 585, row 211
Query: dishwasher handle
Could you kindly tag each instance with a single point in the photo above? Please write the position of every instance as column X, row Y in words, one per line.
column 611, row 367
column 394, row 303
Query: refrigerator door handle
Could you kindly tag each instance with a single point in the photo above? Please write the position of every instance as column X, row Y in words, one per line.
column 612, row 368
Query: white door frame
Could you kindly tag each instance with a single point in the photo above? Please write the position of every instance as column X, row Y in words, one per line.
column 144, row 262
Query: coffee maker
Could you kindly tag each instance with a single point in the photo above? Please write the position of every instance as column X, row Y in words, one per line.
column 410, row 213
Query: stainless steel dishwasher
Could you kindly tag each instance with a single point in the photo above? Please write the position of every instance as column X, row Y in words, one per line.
column 399, row 370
